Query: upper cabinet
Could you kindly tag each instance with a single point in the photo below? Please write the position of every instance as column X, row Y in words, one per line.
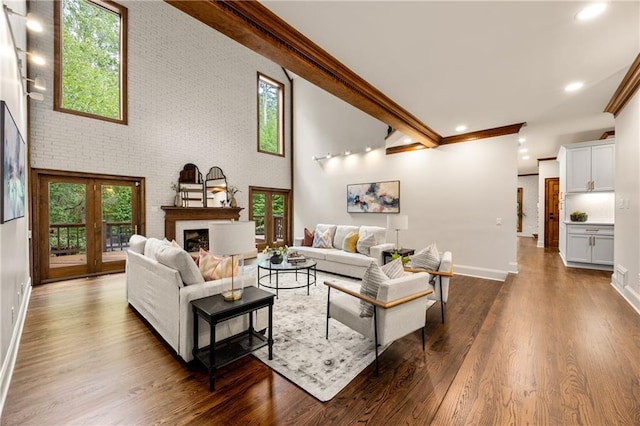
column 590, row 168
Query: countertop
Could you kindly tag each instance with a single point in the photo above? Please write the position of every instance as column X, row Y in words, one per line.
column 568, row 222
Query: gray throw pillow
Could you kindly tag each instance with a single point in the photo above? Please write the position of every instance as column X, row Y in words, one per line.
column 427, row 258
column 393, row 269
column 373, row 277
column 364, row 244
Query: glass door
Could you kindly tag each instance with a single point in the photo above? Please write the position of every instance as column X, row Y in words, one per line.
column 84, row 224
column 270, row 210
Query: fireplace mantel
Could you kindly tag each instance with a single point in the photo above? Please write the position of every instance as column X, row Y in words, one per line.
column 173, row 214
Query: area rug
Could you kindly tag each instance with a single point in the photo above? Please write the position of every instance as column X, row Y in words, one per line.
column 301, row 353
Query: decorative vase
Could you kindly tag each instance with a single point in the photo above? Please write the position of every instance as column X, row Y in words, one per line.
column 177, row 200
column 233, row 202
column 276, row 260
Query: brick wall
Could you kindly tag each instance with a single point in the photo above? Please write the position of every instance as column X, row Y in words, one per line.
column 192, row 98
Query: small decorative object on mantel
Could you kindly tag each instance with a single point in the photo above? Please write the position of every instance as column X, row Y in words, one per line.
column 578, row 216
column 277, row 254
column 231, row 192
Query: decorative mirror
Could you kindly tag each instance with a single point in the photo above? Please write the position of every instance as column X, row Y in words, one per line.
column 190, row 186
column 216, row 188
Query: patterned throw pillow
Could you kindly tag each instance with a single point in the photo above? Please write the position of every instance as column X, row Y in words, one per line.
column 350, row 242
column 214, row 268
column 394, row 269
column 373, row 277
column 322, row 240
column 308, row 238
column 427, row 258
column 364, row 244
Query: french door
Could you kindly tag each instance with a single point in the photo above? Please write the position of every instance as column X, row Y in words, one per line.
column 270, row 209
column 83, row 223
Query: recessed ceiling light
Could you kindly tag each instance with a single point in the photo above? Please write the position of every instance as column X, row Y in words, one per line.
column 461, row 128
column 522, row 140
column 572, row 87
column 526, row 157
column 407, row 140
column 523, row 150
column 591, row 11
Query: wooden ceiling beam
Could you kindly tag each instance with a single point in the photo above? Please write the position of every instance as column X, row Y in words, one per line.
column 627, row 88
column 256, row 27
column 483, row 134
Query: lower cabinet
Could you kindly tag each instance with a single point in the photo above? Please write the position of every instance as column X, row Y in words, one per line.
column 590, row 244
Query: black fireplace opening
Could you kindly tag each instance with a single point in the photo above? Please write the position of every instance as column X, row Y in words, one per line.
column 195, row 239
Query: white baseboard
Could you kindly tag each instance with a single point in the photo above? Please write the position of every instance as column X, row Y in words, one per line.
column 12, row 353
column 474, row 271
column 630, row 296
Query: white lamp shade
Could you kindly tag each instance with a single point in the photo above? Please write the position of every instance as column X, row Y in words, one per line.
column 230, row 238
column 398, row 222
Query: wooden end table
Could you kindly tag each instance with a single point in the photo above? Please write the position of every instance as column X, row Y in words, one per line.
column 386, row 254
column 215, row 309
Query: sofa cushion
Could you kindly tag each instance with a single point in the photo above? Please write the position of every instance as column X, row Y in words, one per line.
column 365, row 243
column 427, row 258
column 355, row 259
column 308, row 238
column 350, row 242
column 181, row 261
column 152, row 246
column 341, row 232
column 137, row 243
column 324, row 227
column 371, row 281
column 322, row 239
column 379, row 233
column 394, row 269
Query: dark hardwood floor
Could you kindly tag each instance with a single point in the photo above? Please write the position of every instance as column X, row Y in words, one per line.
column 550, row 346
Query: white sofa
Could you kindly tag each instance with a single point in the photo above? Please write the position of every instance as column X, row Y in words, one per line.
column 161, row 283
column 338, row 261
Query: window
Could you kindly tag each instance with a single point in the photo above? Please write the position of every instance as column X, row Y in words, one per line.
column 91, row 66
column 270, row 116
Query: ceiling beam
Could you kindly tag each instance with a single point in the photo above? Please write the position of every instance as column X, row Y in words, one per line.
column 627, row 88
column 483, row 134
column 256, row 27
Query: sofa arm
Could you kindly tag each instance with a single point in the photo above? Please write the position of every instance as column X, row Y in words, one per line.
column 297, row 241
column 376, row 252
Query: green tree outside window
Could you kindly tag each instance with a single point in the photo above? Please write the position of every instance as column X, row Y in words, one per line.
column 270, row 115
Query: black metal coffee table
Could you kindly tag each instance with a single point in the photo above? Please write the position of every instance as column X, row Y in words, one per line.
column 308, row 266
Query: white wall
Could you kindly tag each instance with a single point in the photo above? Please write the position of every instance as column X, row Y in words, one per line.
column 192, row 99
column 15, row 282
column 627, row 211
column 453, row 194
column 529, row 185
column 546, row 169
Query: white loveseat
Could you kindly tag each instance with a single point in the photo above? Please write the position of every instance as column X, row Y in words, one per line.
column 338, row 261
column 161, row 283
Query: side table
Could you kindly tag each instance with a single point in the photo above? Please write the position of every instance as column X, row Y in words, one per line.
column 386, row 254
column 215, row 309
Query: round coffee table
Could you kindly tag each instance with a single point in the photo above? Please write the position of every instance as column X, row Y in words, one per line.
column 308, row 266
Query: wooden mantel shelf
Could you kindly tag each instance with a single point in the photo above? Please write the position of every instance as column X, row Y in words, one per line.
column 173, row 214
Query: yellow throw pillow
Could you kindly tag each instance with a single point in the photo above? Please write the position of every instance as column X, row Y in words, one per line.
column 226, row 268
column 350, row 242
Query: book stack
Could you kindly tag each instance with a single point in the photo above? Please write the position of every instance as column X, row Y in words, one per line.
column 294, row 258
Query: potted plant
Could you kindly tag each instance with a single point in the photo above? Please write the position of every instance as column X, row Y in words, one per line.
column 276, row 254
column 396, row 255
column 578, row 216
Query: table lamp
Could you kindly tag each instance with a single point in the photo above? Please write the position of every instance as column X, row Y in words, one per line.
column 232, row 239
column 398, row 222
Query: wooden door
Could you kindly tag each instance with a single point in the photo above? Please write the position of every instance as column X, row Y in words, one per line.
column 84, row 223
column 552, row 212
column 270, row 209
column 519, row 209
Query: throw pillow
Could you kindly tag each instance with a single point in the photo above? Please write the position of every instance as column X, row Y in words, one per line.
column 308, row 238
column 207, row 264
column 373, row 277
column 175, row 244
column 178, row 259
column 364, row 244
column 350, row 242
column 427, row 258
column 322, row 240
column 394, row 269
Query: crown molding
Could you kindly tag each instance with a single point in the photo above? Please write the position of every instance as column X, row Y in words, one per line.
column 607, row 134
column 483, row 134
column 625, row 91
column 256, row 27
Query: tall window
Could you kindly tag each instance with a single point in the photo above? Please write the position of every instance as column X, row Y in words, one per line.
column 270, row 116
column 91, row 51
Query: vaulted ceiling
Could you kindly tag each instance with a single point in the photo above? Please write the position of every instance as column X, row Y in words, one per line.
column 477, row 63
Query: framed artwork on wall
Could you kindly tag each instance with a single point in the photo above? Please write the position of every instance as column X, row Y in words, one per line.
column 13, row 167
column 376, row 197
